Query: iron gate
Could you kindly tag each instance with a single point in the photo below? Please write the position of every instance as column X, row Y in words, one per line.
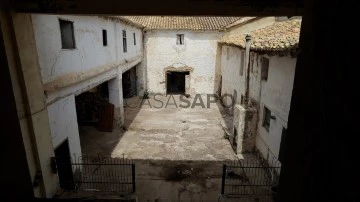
column 96, row 173
column 249, row 177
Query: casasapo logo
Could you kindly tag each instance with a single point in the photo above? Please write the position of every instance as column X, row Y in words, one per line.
column 198, row 101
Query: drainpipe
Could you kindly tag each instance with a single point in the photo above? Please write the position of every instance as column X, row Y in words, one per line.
column 247, row 62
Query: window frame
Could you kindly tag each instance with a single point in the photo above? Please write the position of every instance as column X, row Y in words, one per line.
column 72, row 34
column 265, row 69
column 282, row 145
column 124, row 41
column 266, row 118
column 180, row 39
column 242, row 63
column 104, row 35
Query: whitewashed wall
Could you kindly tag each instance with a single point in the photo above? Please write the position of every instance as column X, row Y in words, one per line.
column 276, row 95
column 248, row 27
column 198, row 52
column 62, row 68
column 230, row 71
column 66, row 73
column 63, row 124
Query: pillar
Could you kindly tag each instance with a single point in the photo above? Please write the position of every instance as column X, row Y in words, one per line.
column 245, row 120
column 116, row 98
column 30, row 103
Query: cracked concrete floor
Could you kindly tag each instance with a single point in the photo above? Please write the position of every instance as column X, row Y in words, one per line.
column 163, row 133
column 169, row 142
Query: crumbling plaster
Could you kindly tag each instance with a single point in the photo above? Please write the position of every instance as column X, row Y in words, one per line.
column 62, row 74
column 198, row 52
column 275, row 93
column 30, row 100
column 63, row 124
column 72, row 71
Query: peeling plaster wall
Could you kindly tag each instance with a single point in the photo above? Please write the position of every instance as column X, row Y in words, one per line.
column 63, row 69
column 230, row 71
column 63, row 124
column 19, row 40
column 245, row 120
column 275, row 95
column 198, row 53
column 66, row 73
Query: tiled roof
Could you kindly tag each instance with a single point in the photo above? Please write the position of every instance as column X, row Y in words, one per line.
column 279, row 37
column 240, row 21
column 182, row 22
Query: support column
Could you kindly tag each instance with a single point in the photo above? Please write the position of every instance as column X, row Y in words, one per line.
column 116, row 98
column 32, row 112
column 245, row 120
column 16, row 180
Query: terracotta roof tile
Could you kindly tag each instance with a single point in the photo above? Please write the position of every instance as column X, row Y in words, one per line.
column 182, row 22
column 279, row 37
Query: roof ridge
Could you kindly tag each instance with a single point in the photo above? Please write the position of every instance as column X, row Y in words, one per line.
column 183, row 22
column 279, row 37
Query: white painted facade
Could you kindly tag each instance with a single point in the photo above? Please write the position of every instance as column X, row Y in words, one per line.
column 61, row 69
column 69, row 72
column 275, row 93
column 198, row 53
column 50, row 117
column 63, row 124
column 246, row 28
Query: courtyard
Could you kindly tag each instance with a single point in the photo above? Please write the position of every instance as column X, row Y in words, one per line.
column 179, row 153
column 167, row 132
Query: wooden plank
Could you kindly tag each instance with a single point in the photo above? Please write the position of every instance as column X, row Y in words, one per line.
column 106, row 118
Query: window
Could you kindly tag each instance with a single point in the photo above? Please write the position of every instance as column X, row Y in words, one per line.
column 180, row 39
column 124, row 41
column 264, row 68
column 282, row 145
column 242, row 63
column 67, row 34
column 266, row 118
column 227, row 53
column 104, row 37
column 242, row 99
column 134, row 39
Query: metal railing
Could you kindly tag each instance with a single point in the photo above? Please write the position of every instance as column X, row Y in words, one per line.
column 96, row 173
column 249, row 177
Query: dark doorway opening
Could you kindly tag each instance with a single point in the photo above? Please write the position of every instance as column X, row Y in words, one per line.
column 93, row 109
column 63, row 161
column 175, row 82
column 233, row 140
column 129, row 83
column 90, row 103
